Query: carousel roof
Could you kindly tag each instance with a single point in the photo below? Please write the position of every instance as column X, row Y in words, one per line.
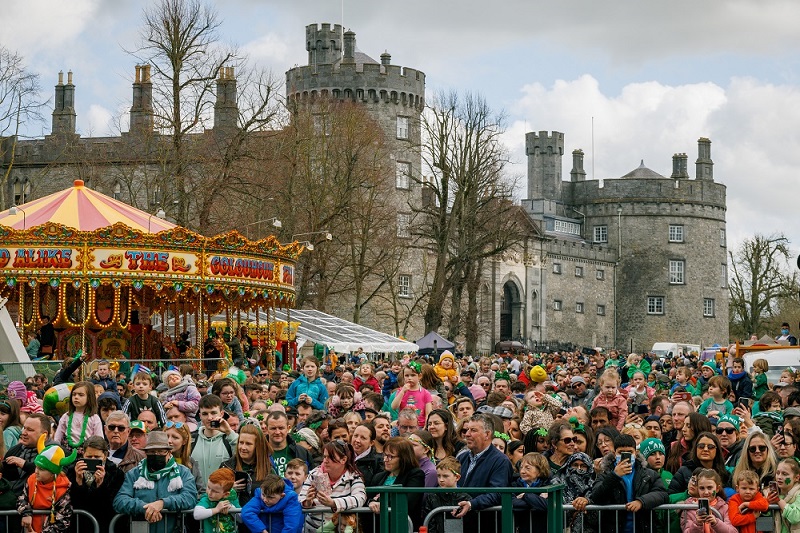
column 83, row 209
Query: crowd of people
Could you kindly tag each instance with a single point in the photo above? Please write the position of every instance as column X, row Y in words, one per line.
column 252, row 450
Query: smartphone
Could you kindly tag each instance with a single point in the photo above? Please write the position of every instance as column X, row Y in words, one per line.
column 214, row 424
column 642, row 409
column 226, row 415
column 625, row 456
column 773, row 487
column 562, row 411
column 92, row 464
column 702, row 506
column 240, row 476
column 744, row 403
column 779, row 430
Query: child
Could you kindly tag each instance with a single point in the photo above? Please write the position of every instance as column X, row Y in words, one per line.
column 390, row 383
column 365, row 377
column 612, row 398
column 770, row 413
column 748, row 503
column 540, row 410
column 719, row 388
column 219, row 500
column 707, row 371
column 626, row 482
column 82, row 421
column 787, row 376
column 448, row 472
column 636, row 363
column 143, row 400
column 47, row 489
column 104, row 378
column 446, row 367
column 297, row 472
column 638, row 391
column 760, row 369
column 274, row 508
column 215, row 438
column 683, row 381
column 181, row 393
column 308, row 388
column 740, row 380
column 346, row 399
column 787, row 475
column 412, row 395
column 708, row 485
column 654, row 453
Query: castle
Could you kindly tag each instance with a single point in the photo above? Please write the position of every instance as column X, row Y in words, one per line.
column 619, row 262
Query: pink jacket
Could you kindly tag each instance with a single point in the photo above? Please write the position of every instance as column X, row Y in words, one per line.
column 617, row 406
column 689, row 523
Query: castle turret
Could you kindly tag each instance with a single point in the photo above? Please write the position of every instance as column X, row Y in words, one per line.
column 324, row 44
column 680, row 166
column 577, row 173
column 226, row 109
column 704, row 164
column 64, row 110
column 544, row 153
column 386, row 59
column 142, row 107
column 349, row 47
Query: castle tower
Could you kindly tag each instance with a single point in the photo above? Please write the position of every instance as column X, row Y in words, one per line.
column 680, row 166
column 142, row 107
column 704, row 164
column 544, row 153
column 64, row 111
column 577, row 173
column 226, row 108
column 324, row 44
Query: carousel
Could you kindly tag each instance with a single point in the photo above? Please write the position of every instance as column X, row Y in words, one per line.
column 119, row 282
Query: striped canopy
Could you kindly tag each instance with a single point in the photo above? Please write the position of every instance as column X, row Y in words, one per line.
column 83, row 209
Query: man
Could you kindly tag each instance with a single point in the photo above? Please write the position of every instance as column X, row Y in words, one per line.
column 47, row 338
column 784, row 336
column 149, row 419
column 137, row 434
column 18, row 461
column 659, row 406
column 304, row 410
column 406, row 423
column 581, row 394
column 502, row 386
column 485, row 384
column 262, row 376
column 680, row 411
column 466, row 377
column 120, row 451
column 383, row 430
column 600, row 418
column 482, row 465
column 284, row 448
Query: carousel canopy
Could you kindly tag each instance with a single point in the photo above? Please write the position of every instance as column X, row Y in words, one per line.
column 82, row 209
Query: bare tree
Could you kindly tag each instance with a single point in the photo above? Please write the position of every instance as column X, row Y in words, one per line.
column 19, row 105
column 760, row 278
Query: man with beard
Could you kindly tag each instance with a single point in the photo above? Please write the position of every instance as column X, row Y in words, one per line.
column 121, row 452
column 94, row 486
column 383, row 431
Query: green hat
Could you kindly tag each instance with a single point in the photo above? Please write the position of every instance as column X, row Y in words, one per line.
column 650, row 446
column 735, row 421
column 138, row 424
column 712, row 365
column 52, row 458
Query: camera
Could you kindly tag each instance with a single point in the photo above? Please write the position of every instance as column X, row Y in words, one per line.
column 214, row 424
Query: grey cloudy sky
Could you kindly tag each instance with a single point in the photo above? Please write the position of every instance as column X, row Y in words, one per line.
column 654, row 75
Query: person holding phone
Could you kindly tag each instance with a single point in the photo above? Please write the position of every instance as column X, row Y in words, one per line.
column 624, row 479
column 709, row 490
column 95, row 482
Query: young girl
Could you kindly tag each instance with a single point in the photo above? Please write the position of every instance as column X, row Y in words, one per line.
column 345, row 400
column 180, row 439
column 219, row 500
column 719, row 388
column 308, row 388
column 760, row 384
column 638, row 391
column 9, row 423
column 787, row 377
column 365, row 377
column 787, row 475
column 635, row 363
column 227, row 390
column 423, row 444
column 611, row 398
column 83, row 420
column 411, row 395
column 708, row 486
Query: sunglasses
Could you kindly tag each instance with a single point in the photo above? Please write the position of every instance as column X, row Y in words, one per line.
column 119, row 429
column 170, row 424
column 757, row 449
column 707, row 446
column 729, row 431
column 569, row 440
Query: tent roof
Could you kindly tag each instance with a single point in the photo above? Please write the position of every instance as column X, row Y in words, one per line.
column 81, row 208
column 339, row 334
column 426, row 342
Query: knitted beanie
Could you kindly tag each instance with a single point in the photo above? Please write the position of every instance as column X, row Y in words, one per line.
column 650, row 446
column 735, row 421
column 18, row 391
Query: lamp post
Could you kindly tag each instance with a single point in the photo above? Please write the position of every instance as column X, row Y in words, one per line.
column 13, row 212
column 276, row 223
column 328, row 236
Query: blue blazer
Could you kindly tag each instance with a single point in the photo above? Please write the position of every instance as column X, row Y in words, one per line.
column 493, row 469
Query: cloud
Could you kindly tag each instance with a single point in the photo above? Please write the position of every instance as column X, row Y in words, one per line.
column 35, row 26
column 268, row 48
column 99, row 121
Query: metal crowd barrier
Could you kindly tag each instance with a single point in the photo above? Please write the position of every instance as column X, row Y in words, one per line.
column 81, row 521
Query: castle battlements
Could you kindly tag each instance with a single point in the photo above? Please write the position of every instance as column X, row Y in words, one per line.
column 632, row 191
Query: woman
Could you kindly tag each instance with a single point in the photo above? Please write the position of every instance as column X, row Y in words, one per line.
column 422, row 441
column 10, row 423
column 577, row 476
column 93, row 489
column 352, row 420
column 706, row 452
column 604, row 441
column 443, row 430
column 791, row 432
column 758, row 456
column 584, row 436
column 515, row 450
column 228, row 390
column 253, row 457
column 680, row 450
column 513, row 430
column 337, row 429
column 400, row 468
column 180, row 439
column 341, row 483
column 368, row 461
column 562, row 445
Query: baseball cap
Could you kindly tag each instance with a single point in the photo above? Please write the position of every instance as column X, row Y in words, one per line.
column 138, row 425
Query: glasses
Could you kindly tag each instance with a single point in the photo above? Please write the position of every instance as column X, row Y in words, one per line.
column 706, row 446
column 388, row 457
column 170, row 424
column 118, row 429
column 784, row 443
column 263, row 375
column 569, row 440
column 693, row 480
column 729, row 431
column 757, row 449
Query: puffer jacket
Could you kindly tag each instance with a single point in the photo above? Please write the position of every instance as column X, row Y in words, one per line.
column 689, row 523
column 286, row 516
column 186, row 396
column 315, row 389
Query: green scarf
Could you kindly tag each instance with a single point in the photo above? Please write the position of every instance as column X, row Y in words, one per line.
column 147, row 479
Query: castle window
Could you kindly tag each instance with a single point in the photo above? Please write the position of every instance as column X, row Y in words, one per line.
column 601, row 309
column 708, row 307
column 117, row 191
column 557, row 305
column 578, row 271
column 403, row 175
column 722, row 240
column 404, row 286
column 676, row 271
column 563, row 226
column 601, row 234
column 724, row 276
column 675, row 233
column 579, row 307
column 655, row 305
column 402, row 127
column 403, row 225
column 556, row 268
column 22, row 191
column 601, row 274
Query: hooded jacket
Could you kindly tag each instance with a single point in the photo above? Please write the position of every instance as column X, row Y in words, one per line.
column 286, row 516
column 689, row 523
column 314, row 389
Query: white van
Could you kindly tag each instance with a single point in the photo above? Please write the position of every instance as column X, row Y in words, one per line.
column 668, row 350
column 778, row 360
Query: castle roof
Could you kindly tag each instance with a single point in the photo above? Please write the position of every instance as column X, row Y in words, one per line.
column 360, row 58
column 642, row 172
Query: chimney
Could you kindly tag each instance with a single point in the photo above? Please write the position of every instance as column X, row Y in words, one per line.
column 64, row 110
column 349, row 47
column 226, row 109
column 679, row 166
column 704, row 165
column 142, row 108
column 386, row 58
column 577, row 173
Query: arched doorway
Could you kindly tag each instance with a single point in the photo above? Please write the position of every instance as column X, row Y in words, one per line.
column 510, row 312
